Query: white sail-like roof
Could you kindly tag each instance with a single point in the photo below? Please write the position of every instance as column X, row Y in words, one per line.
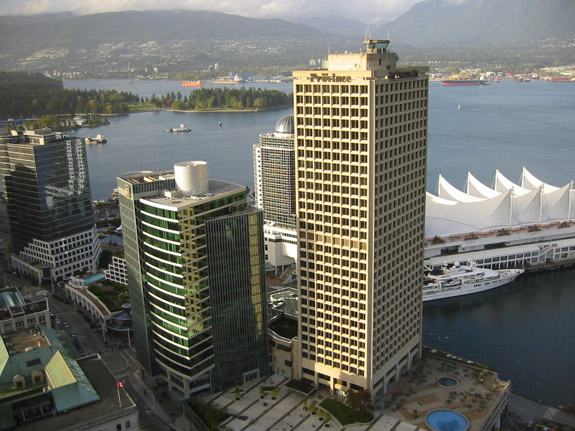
column 502, row 184
column 529, row 181
column 506, row 205
column 476, row 188
column 527, row 208
column 557, row 203
column 446, row 191
column 486, row 214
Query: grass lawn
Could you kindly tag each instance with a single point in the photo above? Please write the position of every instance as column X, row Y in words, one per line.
column 136, row 107
column 344, row 414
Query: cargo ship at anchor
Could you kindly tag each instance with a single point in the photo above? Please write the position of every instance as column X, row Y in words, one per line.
column 192, row 84
column 464, row 80
column 236, row 79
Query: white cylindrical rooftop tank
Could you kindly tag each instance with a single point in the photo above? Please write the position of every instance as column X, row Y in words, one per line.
column 192, row 177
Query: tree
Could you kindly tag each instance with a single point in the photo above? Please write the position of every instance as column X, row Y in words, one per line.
column 360, row 401
column 105, row 258
column 178, row 106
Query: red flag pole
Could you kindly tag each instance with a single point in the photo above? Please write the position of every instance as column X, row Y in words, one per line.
column 119, row 385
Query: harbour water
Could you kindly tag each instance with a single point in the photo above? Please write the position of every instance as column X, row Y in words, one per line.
column 525, row 330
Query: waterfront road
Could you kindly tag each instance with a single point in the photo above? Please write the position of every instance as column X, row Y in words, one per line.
column 528, row 410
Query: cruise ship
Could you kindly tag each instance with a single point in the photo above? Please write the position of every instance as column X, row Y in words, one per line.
column 459, row 280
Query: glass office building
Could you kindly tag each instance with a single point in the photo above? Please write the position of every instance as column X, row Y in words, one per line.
column 45, row 178
column 194, row 254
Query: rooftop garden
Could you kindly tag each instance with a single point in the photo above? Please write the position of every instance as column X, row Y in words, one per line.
column 113, row 295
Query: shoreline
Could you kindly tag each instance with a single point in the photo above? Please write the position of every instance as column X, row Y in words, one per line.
column 194, row 111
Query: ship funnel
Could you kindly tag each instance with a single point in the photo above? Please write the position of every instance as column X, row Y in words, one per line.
column 191, row 177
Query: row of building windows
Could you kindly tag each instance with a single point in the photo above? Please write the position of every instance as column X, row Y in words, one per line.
column 332, row 100
column 332, row 89
column 380, row 88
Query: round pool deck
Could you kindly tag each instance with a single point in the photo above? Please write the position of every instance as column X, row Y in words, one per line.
column 446, row 420
column 447, row 382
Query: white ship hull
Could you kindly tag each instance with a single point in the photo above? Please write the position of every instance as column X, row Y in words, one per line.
column 466, row 281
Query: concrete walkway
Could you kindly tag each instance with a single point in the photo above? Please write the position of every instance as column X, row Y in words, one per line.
column 527, row 410
column 146, row 392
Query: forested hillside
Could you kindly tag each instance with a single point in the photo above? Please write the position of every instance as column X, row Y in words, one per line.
column 25, row 95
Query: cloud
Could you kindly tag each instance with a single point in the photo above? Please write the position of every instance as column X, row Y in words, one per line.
column 366, row 10
column 35, row 7
column 455, row 2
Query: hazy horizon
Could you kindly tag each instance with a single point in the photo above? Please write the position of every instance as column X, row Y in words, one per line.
column 368, row 11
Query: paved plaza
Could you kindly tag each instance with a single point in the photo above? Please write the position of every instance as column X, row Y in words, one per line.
column 475, row 394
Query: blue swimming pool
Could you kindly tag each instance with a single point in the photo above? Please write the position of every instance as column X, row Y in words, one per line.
column 447, row 420
column 94, row 278
column 447, row 382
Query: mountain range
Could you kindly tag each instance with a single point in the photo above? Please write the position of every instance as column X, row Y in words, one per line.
column 33, row 33
column 192, row 40
column 481, row 22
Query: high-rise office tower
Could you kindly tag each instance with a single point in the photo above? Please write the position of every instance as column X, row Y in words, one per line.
column 274, row 180
column 361, row 143
column 45, row 178
column 196, row 276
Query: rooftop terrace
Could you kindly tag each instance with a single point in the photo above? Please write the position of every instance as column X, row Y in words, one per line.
column 477, row 394
column 444, row 381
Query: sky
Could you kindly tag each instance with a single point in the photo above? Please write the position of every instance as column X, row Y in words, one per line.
column 368, row 11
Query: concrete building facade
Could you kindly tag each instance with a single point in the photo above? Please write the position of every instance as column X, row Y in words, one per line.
column 17, row 312
column 361, row 147
column 116, row 271
column 274, row 180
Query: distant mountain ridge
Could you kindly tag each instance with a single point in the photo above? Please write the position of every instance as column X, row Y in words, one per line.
column 334, row 25
column 162, row 43
column 32, row 33
column 477, row 22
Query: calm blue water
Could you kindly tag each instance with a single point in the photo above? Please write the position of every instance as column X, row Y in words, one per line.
column 526, row 330
column 446, row 420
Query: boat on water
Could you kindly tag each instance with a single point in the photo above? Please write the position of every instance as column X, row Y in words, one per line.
column 182, row 128
column 459, row 280
column 192, row 84
column 563, row 79
column 236, row 79
column 464, row 80
column 99, row 139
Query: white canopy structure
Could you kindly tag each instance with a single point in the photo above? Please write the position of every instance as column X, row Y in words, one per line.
column 505, row 206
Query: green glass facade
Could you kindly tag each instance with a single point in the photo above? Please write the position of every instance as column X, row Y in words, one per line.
column 130, row 191
column 177, row 282
column 238, row 306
